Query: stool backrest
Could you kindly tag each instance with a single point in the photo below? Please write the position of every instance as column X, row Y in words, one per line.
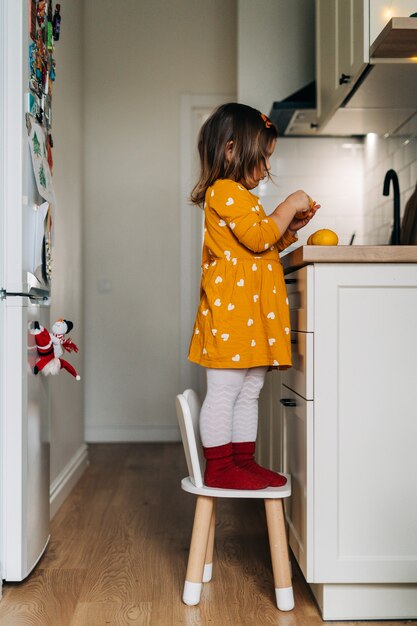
column 188, row 412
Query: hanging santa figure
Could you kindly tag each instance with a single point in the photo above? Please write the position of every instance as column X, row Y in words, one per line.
column 51, row 347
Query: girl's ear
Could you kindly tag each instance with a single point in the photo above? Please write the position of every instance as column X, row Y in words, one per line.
column 228, row 150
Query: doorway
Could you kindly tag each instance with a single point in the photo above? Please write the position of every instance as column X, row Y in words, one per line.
column 195, row 109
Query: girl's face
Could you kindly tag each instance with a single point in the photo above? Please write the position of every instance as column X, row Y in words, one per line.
column 260, row 170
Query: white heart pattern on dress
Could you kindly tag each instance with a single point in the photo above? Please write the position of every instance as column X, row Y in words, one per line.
column 266, row 246
column 234, row 261
column 212, row 192
column 229, row 201
column 196, row 332
column 275, row 363
column 286, row 301
column 227, row 254
column 236, row 357
column 253, row 343
column 217, row 302
column 254, row 267
column 214, row 331
column 218, row 280
column 274, row 289
column 222, row 223
column 240, row 283
column 230, row 307
column 204, row 351
column 271, row 315
column 271, row 341
column 250, row 322
column 270, row 267
column 255, row 297
column 225, row 336
column 232, row 225
column 205, row 312
column 287, row 330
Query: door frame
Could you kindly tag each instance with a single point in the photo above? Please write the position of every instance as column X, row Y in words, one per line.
column 190, row 374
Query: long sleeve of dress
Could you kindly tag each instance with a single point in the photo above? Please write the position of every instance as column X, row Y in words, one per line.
column 240, row 211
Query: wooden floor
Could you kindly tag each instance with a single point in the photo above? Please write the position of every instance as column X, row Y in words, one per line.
column 119, row 548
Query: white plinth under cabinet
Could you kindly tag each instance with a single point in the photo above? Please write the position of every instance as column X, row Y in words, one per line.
column 349, row 428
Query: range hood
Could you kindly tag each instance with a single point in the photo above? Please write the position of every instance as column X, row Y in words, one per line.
column 383, row 99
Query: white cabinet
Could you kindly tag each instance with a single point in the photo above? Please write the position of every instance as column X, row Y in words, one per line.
column 345, row 32
column 349, row 430
column 297, row 422
column 342, row 51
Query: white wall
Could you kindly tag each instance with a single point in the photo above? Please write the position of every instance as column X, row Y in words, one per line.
column 67, row 421
column 276, row 54
column 139, row 58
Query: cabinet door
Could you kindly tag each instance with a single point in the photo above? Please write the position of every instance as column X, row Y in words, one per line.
column 299, row 377
column 350, row 42
column 342, row 51
column 365, row 426
column 298, row 461
column 269, row 439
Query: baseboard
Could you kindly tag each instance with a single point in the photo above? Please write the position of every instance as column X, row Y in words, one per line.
column 102, row 434
column 65, row 481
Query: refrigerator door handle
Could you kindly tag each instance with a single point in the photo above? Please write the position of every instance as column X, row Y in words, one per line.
column 34, row 294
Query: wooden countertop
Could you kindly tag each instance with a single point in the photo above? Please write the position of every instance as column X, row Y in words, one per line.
column 305, row 255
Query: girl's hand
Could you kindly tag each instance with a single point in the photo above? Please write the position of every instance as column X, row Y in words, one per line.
column 301, row 219
column 285, row 215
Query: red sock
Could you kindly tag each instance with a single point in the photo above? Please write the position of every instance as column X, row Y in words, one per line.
column 243, row 454
column 221, row 471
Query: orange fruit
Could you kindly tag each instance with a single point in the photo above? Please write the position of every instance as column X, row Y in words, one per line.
column 301, row 214
column 323, row 237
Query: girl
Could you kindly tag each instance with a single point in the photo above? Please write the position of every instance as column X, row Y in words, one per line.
column 242, row 326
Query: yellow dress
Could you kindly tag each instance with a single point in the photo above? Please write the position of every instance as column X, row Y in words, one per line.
column 243, row 317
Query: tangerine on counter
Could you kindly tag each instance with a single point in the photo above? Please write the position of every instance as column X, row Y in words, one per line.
column 323, row 237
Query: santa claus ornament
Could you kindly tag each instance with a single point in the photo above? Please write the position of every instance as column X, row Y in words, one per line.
column 51, row 346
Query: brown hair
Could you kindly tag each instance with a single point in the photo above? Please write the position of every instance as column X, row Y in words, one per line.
column 251, row 133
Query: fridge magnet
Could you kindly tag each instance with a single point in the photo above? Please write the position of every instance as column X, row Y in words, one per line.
column 51, row 346
column 39, row 154
column 47, row 248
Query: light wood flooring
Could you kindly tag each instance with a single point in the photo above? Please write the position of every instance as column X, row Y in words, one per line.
column 119, row 548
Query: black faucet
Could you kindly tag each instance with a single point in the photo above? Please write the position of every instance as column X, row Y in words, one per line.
column 391, row 175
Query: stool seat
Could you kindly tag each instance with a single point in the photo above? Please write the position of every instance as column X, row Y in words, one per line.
column 215, row 492
column 200, row 560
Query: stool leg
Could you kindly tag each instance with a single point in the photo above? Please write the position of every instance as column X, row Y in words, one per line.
column 279, row 553
column 198, row 547
column 208, row 566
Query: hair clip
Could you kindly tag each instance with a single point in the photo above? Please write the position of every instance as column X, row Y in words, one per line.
column 268, row 122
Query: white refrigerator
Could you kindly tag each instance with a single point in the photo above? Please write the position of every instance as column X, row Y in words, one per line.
column 24, row 298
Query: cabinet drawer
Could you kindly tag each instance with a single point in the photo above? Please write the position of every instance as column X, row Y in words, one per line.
column 300, row 298
column 298, row 461
column 300, row 376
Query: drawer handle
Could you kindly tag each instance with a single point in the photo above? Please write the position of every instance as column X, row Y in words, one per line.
column 294, row 341
column 288, row 402
column 290, row 281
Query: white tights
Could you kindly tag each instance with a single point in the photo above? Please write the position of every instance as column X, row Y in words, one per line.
column 230, row 409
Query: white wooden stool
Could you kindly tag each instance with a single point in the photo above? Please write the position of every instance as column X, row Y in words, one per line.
column 200, row 560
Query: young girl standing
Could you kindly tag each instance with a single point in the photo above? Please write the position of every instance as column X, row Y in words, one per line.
column 243, row 325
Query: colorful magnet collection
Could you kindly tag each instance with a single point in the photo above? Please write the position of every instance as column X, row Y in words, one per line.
column 45, row 29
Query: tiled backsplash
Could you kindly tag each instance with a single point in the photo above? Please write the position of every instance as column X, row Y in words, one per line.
column 346, row 177
column 330, row 170
column 380, row 155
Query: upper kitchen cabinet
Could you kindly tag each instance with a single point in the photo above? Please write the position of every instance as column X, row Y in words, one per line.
column 364, row 65
column 342, row 49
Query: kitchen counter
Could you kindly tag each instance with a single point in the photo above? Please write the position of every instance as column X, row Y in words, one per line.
column 304, row 255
